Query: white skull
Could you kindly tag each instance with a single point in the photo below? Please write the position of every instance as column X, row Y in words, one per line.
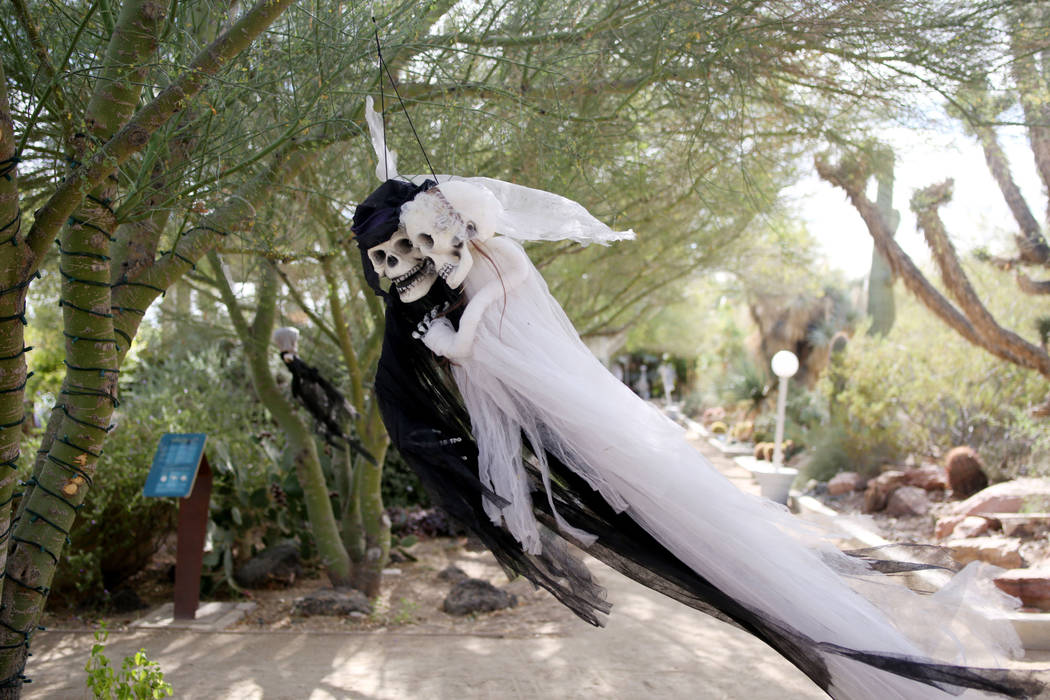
column 404, row 265
column 442, row 220
column 441, row 234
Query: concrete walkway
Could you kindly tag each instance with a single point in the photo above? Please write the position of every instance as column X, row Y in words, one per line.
column 653, row 648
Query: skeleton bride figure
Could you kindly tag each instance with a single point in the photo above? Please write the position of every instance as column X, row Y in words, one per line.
column 534, row 441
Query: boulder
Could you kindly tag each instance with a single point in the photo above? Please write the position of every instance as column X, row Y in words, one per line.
column 929, row 477
column 452, row 574
column 906, row 501
column 999, row 551
column 1032, row 586
column 126, row 600
column 973, row 526
column 1008, row 497
column 278, row 565
column 1024, row 524
column 474, row 595
column 332, row 601
column 946, row 526
column 879, row 489
column 965, row 472
column 844, row 482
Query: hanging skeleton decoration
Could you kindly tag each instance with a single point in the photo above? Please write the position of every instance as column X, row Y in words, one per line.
column 518, row 431
column 331, row 411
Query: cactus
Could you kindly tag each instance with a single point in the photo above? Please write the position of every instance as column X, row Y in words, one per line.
column 719, row 428
column 880, row 280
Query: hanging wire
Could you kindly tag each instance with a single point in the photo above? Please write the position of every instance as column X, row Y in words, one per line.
column 384, row 67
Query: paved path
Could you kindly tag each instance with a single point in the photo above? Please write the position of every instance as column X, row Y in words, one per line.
column 652, row 649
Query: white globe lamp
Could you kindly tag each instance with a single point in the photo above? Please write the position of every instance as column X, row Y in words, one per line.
column 784, row 365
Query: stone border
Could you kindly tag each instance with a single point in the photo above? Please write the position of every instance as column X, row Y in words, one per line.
column 1032, row 628
column 734, row 449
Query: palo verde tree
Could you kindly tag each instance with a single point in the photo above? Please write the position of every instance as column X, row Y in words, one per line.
column 678, row 119
column 121, row 130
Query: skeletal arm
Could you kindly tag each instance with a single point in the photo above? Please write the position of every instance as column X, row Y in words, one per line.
column 514, row 267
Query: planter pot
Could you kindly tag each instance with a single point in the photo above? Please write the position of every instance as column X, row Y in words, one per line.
column 776, row 485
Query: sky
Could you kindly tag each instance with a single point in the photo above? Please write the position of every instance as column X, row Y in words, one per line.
column 976, row 216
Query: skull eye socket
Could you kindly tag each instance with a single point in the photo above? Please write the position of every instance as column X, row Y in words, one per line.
column 403, row 246
column 426, row 241
column 378, row 257
column 472, row 229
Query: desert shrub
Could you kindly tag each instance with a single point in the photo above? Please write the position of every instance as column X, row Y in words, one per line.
column 804, row 412
column 747, row 384
column 922, row 389
column 401, row 487
column 118, row 529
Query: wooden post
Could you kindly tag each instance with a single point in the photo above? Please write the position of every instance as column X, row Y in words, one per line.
column 189, row 553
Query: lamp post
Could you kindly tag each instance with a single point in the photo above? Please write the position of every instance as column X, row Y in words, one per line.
column 784, row 365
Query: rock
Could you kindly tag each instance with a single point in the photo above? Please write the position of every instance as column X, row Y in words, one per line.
column 474, row 595
column 125, row 600
column 710, row 415
column 1007, row 497
column 844, row 482
column 1024, row 524
column 278, row 565
column 332, row 601
column 879, row 489
column 965, row 472
column 946, row 526
column 1032, row 586
column 929, row 477
column 999, row 551
column 973, row 526
column 453, row 574
column 907, row 500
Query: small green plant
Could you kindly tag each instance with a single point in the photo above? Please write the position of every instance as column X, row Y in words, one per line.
column 408, row 611
column 139, row 679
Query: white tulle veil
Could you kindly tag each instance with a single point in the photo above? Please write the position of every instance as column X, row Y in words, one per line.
column 528, row 373
column 525, row 214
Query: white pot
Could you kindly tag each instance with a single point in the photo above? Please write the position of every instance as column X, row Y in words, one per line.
column 776, row 485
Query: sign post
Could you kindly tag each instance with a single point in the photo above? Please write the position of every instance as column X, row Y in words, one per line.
column 181, row 470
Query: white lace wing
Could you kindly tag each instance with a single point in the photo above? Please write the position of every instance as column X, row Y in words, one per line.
column 528, row 214
column 535, row 215
column 386, row 165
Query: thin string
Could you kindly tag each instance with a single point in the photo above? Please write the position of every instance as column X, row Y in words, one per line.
column 384, row 67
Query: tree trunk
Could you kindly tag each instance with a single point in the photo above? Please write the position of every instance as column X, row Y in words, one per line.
column 94, row 345
column 368, row 500
column 975, row 325
column 301, row 445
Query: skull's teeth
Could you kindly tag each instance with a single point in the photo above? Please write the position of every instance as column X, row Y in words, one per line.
column 402, row 278
column 410, row 279
column 446, row 270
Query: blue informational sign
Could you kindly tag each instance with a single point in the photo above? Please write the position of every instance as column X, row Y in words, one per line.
column 175, row 465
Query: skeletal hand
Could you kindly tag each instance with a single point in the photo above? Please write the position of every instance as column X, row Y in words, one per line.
column 438, row 334
column 428, row 321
